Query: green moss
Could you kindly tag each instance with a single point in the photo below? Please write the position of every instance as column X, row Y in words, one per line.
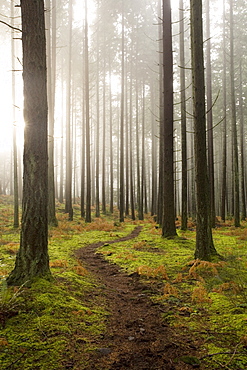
column 52, row 323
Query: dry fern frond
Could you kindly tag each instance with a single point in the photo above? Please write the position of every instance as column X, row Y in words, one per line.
column 170, row 290
column 230, row 286
column 158, row 272
column 139, row 245
column 59, row 263
column 179, row 278
column 206, row 267
column 200, row 294
column 80, row 270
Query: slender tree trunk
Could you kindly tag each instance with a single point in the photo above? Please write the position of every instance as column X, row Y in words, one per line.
column 204, row 241
column 139, row 203
column 97, row 205
column 161, row 123
column 242, row 138
column 126, row 155
column 68, row 185
column 143, row 175
column 83, row 162
column 110, row 139
column 51, row 105
column 184, row 216
column 121, row 190
column 15, row 159
column 168, row 219
column 154, row 157
column 224, row 153
column 234, row 125
column 103, row 140
column 210, row 117
column 88, row 161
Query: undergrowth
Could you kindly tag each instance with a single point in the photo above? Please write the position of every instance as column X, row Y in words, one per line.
column 206, row 299
column 52, row 325
column 57, row 323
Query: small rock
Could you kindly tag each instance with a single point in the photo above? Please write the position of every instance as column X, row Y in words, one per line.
column 104, row 351
column 131, row 338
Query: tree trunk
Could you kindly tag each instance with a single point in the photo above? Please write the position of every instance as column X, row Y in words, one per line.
column 204, row 241
column 88, row 161
column 68, row 183
column 234, row 125
column 15, row 159
column 161, row 123
column 224, row 153
column 210, row 117
column 184, row 215
column 97, row 206
column 103, row 140
column 168, row 219
column 121, row 179
column 32, row 259
column 242, row 139
column 51, row 63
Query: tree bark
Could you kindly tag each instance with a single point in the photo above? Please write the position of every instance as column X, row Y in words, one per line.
column 121, row 179
column 224, row 138
column 68, row 183
column 15, row 157
column 184, row 216
column 168, row 219
column 234, row 125
column 204, row 241
column 210, row 117
column 32, row 259
column 88, row 161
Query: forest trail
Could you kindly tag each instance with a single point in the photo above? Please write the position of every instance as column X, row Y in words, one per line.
column 136, row 336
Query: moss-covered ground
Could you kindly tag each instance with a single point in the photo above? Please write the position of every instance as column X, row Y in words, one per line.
column 55, row 324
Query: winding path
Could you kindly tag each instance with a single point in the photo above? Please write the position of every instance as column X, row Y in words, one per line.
column 136, row 336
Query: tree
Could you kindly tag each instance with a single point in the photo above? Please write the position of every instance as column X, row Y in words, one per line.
column 121, row 188
column 88, row 161
column 32, row 259
column 224, row 141
column 184, row 216
column 204, row 241
column 168, row 218
column 16, row 193
column 68, row 184
column 210, row 116
column 234, row 125
column 242, row 138
column 51, row 74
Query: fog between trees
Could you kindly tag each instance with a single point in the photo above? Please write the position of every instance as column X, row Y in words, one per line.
column 105, row 84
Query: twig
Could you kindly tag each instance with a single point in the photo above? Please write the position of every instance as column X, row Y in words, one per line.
column 12, row 27
column 221, row 353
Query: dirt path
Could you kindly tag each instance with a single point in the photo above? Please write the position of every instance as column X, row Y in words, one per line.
column 136, row 336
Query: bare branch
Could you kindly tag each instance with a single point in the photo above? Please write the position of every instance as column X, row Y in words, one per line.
column 9, row 25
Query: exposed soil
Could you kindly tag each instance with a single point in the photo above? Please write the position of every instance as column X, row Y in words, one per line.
column 136, row 336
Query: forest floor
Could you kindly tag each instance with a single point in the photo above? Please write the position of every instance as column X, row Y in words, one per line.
column 136, row 336
column 123, row 297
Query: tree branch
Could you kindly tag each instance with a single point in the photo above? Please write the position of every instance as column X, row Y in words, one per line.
column 9, row 25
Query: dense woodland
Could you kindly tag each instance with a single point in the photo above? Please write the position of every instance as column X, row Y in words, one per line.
column 123, row 140
column 104, row 70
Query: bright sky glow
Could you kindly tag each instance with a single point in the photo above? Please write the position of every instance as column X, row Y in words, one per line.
column 6, row 115
column 79, row 12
